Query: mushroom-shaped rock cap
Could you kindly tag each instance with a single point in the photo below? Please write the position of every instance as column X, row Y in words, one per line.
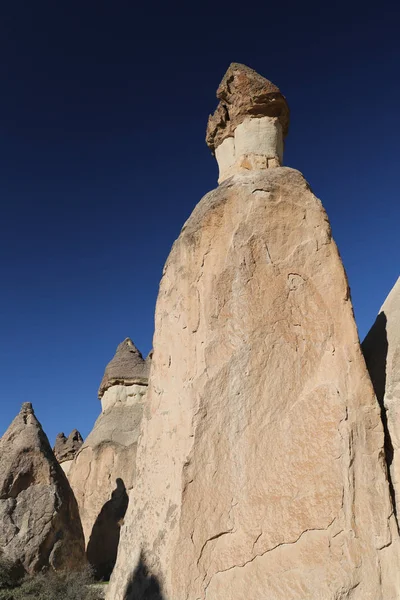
column 244, row 93
column 127, row 367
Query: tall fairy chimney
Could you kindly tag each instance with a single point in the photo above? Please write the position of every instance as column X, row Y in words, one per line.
column 260, row 461
column 247, row 130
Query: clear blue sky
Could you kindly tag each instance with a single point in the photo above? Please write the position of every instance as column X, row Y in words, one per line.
column 103, row 110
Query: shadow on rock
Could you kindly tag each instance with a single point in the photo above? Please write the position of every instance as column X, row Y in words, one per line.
column 143, row 585
column 103, row 544
column 375, row 349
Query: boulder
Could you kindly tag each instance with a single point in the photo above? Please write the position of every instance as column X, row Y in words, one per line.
column 103, row 473
column 39, row 520
column 66, row 448
column 381, row 349
column 260, row 470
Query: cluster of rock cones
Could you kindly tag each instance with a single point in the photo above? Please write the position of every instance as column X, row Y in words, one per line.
column 63, row 507
column 257, row 459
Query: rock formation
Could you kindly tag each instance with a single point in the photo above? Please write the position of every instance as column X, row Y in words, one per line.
column 102, row 474
column 247, row 130
column 66, row 448
column 39, row 520
column 260, row 465
column 125, row 378
column 381, row 349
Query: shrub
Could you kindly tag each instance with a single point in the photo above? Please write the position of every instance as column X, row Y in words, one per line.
column 54, row 586
column 11, row 573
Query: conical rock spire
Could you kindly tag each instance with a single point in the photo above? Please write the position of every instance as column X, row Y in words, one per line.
column 39, row 520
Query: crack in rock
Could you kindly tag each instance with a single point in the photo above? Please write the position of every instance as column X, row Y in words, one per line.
column 214, row 537
column 263, row 553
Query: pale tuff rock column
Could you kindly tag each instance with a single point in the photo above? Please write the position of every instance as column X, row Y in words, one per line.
column 103, row 471
column 381, row 349
column 260, row 465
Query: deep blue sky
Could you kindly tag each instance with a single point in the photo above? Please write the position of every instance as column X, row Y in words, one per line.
column 103, row 110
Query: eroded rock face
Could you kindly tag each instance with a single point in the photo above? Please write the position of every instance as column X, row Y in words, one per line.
column 381, row 349
column 260, row 463
column 39, row 520
column 103, row 471
column 66, row 448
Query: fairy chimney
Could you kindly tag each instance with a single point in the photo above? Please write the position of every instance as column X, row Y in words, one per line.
column 260, row 460
column 103, row 471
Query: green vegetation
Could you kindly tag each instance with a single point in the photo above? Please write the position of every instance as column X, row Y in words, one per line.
column 46, row 586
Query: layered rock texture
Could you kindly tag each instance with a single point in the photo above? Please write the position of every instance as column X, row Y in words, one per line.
column 39, row 520
column 381, row 349
column 247, row 130
column 260, row 466
column 65, row 449
column 125, row 378
column 103, row 470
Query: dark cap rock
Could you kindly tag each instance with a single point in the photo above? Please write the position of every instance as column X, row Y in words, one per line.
column 244, row 93
column 127, row 367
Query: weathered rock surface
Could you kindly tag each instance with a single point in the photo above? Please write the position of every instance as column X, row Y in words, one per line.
column 103, row 473
column 127, row 368
column 39, row 520
column 65, row 448
column 244, row 93
column 260, row 466
column 381, row 349
column 247, row 130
